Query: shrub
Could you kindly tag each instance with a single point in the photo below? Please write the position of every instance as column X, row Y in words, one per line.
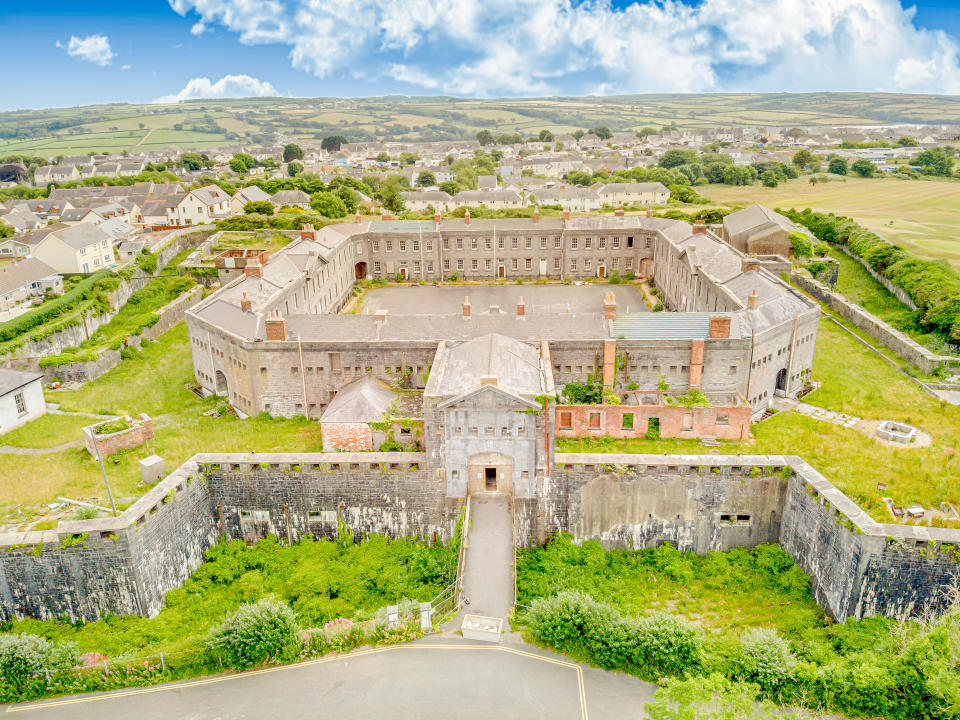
column 256, row 633
column 147, row 261
column 766, row 659
column 24, row 658
column 711, row 698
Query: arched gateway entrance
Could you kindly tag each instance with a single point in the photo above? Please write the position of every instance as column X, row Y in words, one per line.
column 361, row 270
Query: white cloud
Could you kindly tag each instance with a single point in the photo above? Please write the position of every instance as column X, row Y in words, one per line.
column 525, row 47
column 229, row 86
column 199, row 28
column 92, row 48
column 126, row 67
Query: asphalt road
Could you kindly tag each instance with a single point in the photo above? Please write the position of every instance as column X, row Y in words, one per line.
column 440, row 677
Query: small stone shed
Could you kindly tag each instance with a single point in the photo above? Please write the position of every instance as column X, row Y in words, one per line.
column 368, row 412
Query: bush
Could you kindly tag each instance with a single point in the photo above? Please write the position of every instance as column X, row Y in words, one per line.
column 766, row 659
column 24, row 658
column 147, row 261
column 256, row 633
column 711, row 698
column 652, row 646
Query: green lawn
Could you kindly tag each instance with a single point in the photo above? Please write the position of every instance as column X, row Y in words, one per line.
column 47, row 431
column 154, row 383
column 855, row 381
column 920, row 215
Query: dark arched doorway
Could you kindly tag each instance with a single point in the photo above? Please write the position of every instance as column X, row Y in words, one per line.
column 361, row 270
column 221, row 383
column 782, row 379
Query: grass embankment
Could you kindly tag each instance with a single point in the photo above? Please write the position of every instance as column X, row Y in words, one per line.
column 920, row 215
column 321, row 580
column 152, row 382
column 47, row 431
column 137, row 314
column 857, row 382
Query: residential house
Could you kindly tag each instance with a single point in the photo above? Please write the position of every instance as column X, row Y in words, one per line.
column 80, row 248
column 27, row 279
column 21, row 398
column 22, row 220
column 14, row 248
column 291, row 198
column 493, row 199
column 574, row 198
column 633, row 192
column 487, row 182
column 55, row 174
column 421, row 200
column 250, row 193
column 199, row 207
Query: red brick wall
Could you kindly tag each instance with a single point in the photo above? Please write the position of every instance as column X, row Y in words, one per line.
column 351, row 437
column 702, row 421
column 124, row 440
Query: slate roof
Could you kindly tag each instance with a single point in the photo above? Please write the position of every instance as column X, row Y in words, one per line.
column 515, row 364
column 16, row 275
column 666, row 326
column 365, row 400
column 11, row 380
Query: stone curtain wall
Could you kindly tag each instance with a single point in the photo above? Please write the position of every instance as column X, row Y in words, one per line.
column 858, row 567
column 883, row 332
column 292, row 495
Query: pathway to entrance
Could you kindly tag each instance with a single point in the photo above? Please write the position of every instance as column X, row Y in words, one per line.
column 488, row 573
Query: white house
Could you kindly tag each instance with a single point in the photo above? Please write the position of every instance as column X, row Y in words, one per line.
column 19, row 282
column 199, row 207
column 420, row 200
column 641, row 193
column 493, row 199
column 55, row 173
column 21, row 398
column 574, row 198
column 82, row 248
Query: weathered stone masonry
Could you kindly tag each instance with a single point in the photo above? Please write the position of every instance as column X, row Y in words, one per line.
column 127, row 564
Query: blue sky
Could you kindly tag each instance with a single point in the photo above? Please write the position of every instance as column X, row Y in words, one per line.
column 146, row 50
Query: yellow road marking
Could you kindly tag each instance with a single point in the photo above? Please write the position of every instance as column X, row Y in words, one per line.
column 306, row 663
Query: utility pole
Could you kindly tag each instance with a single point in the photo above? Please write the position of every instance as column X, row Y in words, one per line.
column 96, row 446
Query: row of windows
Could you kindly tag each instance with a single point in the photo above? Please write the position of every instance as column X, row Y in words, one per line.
column 565, row 421
column 515, row 243
column 490, row 431
column 460, row 264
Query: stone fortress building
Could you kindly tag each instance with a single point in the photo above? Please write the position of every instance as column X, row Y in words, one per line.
column 475, row 390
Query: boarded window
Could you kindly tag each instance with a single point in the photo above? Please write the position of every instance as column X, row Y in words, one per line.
column 594, row 420
column 335, row 365
column 627, row 423
column 566, row 420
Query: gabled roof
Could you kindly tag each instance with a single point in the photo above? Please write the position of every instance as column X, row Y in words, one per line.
column 365, row 400
column 11, row 380
column 514, row 364
column 81, row 236
column 16, row 275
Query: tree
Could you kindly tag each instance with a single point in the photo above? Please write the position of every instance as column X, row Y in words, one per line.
column 191, row 161
column 802, row 158
column 907, row 142
column 256, row 633
column 332, row 143
column 546, row 136
column 485, row 137
column 579, row 177
column 577, row 134
column 408, row 158
column 294, row 168
column 390, row 192
column 864, row 168
column 241, row 162
column 382, row 157
column 292, row 152
column 328, row 204
column 509, row 139
column 795, row 133
column 426, row 179
column 935, row 161
column 674, row 158
column 837, row 166
column 770, row 179
column 646, row 131
column 450, row 187
column 602, row 132
column 258, row 207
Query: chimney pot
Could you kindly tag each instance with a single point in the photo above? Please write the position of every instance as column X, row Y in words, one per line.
column 649, row 213
column 276, row 327
column 466, row 217
column 437, row 217
column 536, row 214
column 566, row 215
column 466, row 306
column 521, row 308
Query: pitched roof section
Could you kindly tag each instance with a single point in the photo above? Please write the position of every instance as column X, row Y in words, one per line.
column 15, row 276
column 11, row 380
column 666, row 326
column 514, row 364
column 364, row 400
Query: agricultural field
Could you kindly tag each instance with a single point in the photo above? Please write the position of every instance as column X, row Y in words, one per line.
column 920, row 215
column 206, row 123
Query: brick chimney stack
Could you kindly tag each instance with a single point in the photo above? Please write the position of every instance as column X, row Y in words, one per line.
column 649, row 213
column 245, row 304
column 357, row 218
column 566, row 215
column 719, row 326
column 253, row 270
column 521, row 308
column 380, row 316
column 609, row 306
column 536, row 214
column 753, row 300
column 308, row 233
column 276, row 327
column 437, row 217
column 466, row 217
column 699, row 227
column 749, row 264
column 619, row 211
column 466, row 306
column 387, row 215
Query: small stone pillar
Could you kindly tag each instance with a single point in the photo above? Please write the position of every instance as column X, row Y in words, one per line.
column 152, row 470
column 426, row 610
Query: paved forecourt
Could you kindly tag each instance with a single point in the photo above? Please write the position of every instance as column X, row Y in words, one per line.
column 440, row 676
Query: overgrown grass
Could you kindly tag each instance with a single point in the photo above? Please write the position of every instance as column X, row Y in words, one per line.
column 152, row 382
column 857, row 382
column 47, row 431
column 321, row 580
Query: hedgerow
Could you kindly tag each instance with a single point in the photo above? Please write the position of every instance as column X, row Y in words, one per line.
column 932, row 285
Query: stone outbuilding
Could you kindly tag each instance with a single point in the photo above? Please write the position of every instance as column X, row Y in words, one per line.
column 21, row 398
column 346, row 423
column 757, row 230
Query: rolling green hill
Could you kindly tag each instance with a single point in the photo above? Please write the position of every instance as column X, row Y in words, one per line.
column 209, row 123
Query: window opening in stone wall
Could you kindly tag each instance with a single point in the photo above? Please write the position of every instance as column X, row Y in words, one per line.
column 594, row 420
column 627, row 423
column 566, row 420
